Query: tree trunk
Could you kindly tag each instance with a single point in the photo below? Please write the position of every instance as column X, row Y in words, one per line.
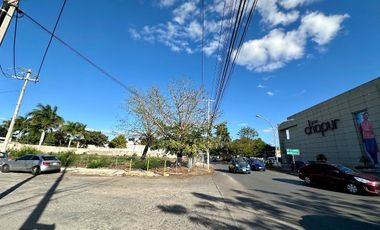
column 42, row 138
column 78, row 144
column 143, row 156
column 68, row 146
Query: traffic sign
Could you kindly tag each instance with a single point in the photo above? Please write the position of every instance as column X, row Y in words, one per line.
column 293, row 152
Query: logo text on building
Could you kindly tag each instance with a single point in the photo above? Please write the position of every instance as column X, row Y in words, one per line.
column 315, row 127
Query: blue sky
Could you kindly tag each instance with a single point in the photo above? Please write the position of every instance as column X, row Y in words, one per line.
column 297, row 53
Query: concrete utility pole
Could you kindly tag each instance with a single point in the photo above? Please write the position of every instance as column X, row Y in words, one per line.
column 10, row 129
column 6, row 14
column 208, row 126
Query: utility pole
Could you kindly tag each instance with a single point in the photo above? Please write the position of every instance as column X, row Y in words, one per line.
column 10, row 129
column 6, row 13
column 208, row 127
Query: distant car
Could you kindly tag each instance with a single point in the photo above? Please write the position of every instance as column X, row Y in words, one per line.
column 297, row 165
column 340, row 176
column 32, row 163
column 257, row 165
column 239, row 165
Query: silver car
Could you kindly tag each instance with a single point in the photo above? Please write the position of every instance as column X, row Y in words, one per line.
column 32, row 163
column 3, row 158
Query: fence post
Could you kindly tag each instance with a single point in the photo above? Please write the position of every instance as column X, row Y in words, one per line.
column 147, row 166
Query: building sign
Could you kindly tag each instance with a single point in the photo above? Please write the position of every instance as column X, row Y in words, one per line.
column 295, row 152
column 316, row 127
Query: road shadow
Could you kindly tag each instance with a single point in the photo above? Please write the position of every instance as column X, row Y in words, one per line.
column 173, row 209
column 222, row 170
column 16, row 186
column 317, row 222
column 290, row 181
column 32, row 221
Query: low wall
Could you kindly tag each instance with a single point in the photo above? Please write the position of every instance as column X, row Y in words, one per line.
column 129, row 151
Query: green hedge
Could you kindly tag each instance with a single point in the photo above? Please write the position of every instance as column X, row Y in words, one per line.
column 23, row 151
column 70, row 159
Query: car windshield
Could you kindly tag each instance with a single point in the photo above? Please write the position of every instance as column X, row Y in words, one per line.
column 346, row 169
column 240, row 160
column 49, row 158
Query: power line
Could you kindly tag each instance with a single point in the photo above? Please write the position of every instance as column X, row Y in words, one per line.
column 233, row 51
column 8, row 91
column 88, row 60
column 217, row 53
column 51, row 38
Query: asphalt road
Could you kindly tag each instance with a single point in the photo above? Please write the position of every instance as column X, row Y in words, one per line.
column 273, row 200
column 261, row 200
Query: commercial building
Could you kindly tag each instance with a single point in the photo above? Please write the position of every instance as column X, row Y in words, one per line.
column 343, row 128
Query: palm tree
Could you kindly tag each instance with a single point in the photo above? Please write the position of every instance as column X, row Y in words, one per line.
column 80, row 130
column 45, row 118
column 74, row 130
column 69, row 128
column 20, row 127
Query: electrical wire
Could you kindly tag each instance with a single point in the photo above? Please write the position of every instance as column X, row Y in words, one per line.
column 88, row 60
column 50, row 40
column 218, row 51
column 8, row 91
column 235, row 31
column 233, row 50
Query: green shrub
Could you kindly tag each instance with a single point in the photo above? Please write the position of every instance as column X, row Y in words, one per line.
column 24, row 151
column 99, row 161
column 68, row 158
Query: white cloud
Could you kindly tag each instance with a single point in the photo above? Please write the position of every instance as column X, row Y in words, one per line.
column 194, row 30
column 272, row 16
column 267, row 130
column 260, row 86
column 290, row 4
column 243, row 124
column 166, row 3
column 267, row 78
column 272, row 51
column 302, row 92
column 183, row 33
column 320, row 27
column 185, row 11
column 270, row 93
column 277, row 48
column 134, row 34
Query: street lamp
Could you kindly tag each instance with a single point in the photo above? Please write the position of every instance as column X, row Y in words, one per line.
column 274, row 136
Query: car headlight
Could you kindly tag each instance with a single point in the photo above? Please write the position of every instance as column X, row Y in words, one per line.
column 362, row 180
column 236, row 165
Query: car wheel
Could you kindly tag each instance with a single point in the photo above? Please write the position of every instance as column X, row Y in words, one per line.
column 353, row 189
column 249, row 172
column 5, row 168
column 307, row 180
column 36, row 170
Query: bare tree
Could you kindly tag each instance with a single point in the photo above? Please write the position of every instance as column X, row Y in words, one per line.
column 176, row 123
